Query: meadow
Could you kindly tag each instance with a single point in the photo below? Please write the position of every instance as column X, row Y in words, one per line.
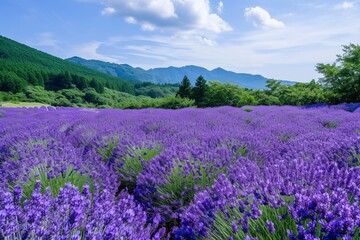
column 218, row 173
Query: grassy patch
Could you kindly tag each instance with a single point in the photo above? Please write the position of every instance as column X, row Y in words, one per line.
column 22, row 104
column 329, row 124
column 228, row 225
column 248, row 109
column 107, row 152
column 44, row 174
column 180, row 187
column 132, row 165
column 241, row 151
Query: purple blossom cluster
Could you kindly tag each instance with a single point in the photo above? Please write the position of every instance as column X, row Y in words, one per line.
column 220, row 173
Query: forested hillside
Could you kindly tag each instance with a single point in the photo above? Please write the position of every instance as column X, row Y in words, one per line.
column 21, row 65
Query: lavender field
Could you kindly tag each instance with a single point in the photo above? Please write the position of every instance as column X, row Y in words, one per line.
column 220, row 173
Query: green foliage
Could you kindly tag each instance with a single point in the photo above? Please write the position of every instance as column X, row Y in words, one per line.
column 132, row 164
column 222, row 227
column 61, row 101
column 265, row 98
column 329, row 124
column 354, row 157
column 107, row 152
column 10, row 82
column 155, row 90
column 180, row 187
column 97, row 85
column 219, row 94
column 39, row 94
column 176, row 103
column 241, row 151
column 91, row 96
column 41, row 173
column 343, row 76
column 299, row 94
column 199, row 91
column 248, row 109
column 185, row 88
column 41, row 69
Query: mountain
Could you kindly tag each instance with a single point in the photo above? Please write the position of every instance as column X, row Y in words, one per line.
column 21, row 65
column 175, row 74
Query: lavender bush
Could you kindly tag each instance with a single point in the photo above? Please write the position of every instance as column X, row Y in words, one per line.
column 220, row 173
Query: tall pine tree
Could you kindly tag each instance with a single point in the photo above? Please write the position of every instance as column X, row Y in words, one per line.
column 199, row 91
column 185, row 88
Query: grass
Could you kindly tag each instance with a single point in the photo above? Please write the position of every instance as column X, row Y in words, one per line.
column 55, row 183
column 107, row 152
column 222, row 228
column 181, row 187
column 133, row 165
column 329, row 124
column 22, row 104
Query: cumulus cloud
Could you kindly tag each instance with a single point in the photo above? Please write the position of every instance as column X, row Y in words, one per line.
column 108, row 11
column 178, row 15
column 345, row 5
column 206, row 41
column 261, row 17
column 147, row 27
column 220, row 7
column 90, row 50
column 130, row 20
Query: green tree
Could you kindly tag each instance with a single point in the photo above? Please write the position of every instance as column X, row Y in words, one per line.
column 185, row 88
column 273, row 86
column 199, row 91
column 91, row 96
column 343, row 76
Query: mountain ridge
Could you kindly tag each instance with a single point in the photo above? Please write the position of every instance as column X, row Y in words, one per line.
column 173, row 74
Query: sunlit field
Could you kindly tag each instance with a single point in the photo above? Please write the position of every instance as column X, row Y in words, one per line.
column 220, row 173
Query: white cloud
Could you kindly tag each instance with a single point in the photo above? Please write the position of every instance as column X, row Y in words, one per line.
column 147, row 27
column 176, row 15
column 345, row 5
column 220, row 7
column 108, row 11
column 207, row 41
column 260, row 16
column 130, row 20
column 90, row 51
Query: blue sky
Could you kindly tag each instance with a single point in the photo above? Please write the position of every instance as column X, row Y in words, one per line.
column 281, row 39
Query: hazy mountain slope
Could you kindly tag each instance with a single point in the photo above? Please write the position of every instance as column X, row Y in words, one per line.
column 175, row 74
